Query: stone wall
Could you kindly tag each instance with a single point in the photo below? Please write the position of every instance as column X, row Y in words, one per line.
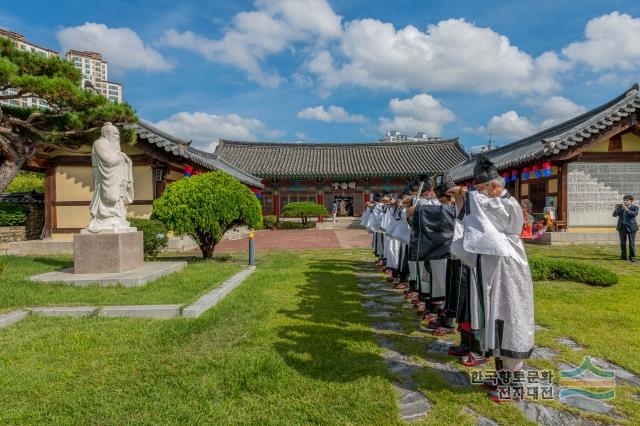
column 9, row 234
column 34, row 203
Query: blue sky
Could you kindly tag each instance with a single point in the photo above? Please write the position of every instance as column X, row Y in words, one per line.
column 348, row 70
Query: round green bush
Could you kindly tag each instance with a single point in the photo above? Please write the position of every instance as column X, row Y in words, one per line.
column 12, row 214
column 154, row 234
column 545, row 269
column 206, row 206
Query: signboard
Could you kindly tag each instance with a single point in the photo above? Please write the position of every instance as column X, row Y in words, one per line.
column 593, row 190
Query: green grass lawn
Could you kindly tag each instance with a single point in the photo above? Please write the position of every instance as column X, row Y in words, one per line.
column 291, row 345
column 17, row 291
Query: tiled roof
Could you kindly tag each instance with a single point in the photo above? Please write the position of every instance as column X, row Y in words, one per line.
column 310, row 160
column 554, row 140
column 181, row 148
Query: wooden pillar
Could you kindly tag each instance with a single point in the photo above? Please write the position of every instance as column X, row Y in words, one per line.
column 49, row 202
column 276, row 203
column 562, row 197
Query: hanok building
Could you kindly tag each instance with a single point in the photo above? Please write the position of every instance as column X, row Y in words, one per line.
column 580, row 168
column 158, row 159
column 349, row 172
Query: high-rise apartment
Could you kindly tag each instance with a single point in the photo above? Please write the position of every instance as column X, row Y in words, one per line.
column 95, row 74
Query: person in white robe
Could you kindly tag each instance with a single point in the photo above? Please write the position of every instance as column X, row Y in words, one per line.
column 492, row 227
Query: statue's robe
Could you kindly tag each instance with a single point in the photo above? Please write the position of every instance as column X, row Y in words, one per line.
column 492, row 227
column 113, row 187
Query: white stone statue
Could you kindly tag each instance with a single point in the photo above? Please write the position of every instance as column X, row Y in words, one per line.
column 113, row 184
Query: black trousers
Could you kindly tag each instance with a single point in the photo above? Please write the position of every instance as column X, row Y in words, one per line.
column 631, row 236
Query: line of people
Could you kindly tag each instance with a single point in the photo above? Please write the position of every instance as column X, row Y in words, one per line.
column 457, row 256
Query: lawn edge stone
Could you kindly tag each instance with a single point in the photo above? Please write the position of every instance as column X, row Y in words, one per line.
column 212, row 298
column 12, row 317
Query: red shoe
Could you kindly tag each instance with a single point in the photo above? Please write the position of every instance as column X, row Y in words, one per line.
column 472, row 360
column 457, row 351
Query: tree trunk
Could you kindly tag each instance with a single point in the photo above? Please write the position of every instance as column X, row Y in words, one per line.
column 9, row 170
column 207, row 251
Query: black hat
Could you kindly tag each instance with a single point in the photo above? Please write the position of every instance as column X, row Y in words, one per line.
column 628, row 197
column 444, row 183
column 484, row 171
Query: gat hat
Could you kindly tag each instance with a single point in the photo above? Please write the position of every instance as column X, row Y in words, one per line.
column 484, row 171
column 444, row 183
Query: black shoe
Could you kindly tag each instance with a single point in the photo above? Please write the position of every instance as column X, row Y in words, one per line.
column 632, row 260
column 622, row 258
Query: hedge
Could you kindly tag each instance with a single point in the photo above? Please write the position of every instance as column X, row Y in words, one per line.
column 154, row 234
column 12, row 214
column 269, row 221
column 295, row 225
column 545, row 269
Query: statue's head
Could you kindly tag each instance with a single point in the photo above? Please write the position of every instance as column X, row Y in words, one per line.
column 111, row 133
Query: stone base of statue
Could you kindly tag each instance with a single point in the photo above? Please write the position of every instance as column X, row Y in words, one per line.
column 107, row 252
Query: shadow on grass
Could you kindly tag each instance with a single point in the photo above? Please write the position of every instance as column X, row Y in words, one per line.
column 334, row 343
column 54, row 261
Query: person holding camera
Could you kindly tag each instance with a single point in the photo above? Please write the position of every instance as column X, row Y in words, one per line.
column 627, row 226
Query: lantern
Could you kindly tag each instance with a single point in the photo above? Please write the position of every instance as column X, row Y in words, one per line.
column 536, row 171
column 546, row 168
column 525, row 174
column 514, row 175
column 188, row 170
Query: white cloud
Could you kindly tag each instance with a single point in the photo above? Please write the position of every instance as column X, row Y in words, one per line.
column 419, row 113
column 452, row 55
column 611, row 41
column 510, row 126
column 121, row 47
column 205, row 129
column 556, row 109
column 271, row 29
column 549, row 112
column 334, row 113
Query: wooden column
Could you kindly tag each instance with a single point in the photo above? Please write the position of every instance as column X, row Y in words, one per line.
column 276, row 203
column 562, row 189
column 50, row 221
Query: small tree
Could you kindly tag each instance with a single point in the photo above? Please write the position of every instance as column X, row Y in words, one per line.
column 205, row 206
column 73, row 116
column 304, row 209
column 27, row 182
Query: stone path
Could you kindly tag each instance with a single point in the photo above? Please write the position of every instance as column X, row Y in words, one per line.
column 194, row 310
column 384, row 306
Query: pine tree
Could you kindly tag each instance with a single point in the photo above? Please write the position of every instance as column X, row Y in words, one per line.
column 73, row 118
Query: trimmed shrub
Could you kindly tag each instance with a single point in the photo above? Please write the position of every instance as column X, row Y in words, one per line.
column 12, row 214
column 295, row 225
column 269, row 221
column 154, row 234
column 544, row 269
column 304, row 210
column 206, row 206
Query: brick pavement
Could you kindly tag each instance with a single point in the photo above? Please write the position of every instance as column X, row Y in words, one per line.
column 301, row 240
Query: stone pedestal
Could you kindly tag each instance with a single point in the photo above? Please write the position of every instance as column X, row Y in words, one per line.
column 107, row 252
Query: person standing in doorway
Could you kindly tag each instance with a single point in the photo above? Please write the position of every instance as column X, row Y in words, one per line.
column 334, row 210
column 627, row 226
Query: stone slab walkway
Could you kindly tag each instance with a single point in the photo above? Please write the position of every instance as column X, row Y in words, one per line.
column 385, row 307
column 194, row 310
